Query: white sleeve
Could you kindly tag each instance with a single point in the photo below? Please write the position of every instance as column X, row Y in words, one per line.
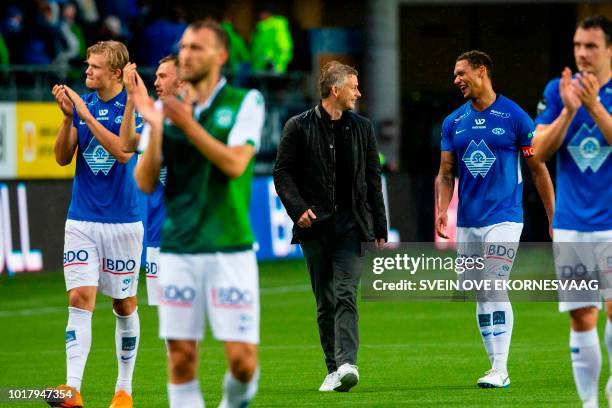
column 145, row 135
column 249, row 121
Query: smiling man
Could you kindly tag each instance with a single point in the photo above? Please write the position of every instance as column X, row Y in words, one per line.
column 484, row 139
column 574, row 124
column 327, row 175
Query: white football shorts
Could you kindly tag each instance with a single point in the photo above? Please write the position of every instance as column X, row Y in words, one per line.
column 497, row 246
column 583, row 255
column 105, row 255
column 222, row 286
column 152, row 270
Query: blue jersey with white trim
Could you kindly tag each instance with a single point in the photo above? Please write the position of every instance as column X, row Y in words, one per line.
column 584, row 165
column 487, row 146
column 104, row 190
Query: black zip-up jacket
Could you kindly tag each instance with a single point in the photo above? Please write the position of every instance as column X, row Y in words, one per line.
column 304, row 174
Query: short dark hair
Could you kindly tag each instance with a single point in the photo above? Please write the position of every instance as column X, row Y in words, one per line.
column 334, row 73
column 169, row 58
column 477, row 59
column 215, row 27
column 598, row 21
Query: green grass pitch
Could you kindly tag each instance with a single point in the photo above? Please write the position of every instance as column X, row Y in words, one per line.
column 412, row 354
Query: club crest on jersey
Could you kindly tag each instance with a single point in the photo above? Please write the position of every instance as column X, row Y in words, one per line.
column 224, row 117
column 587, row 150
column 478, row 158
column 97, row 158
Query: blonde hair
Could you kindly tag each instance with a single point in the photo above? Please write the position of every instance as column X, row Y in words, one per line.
column 116, row 53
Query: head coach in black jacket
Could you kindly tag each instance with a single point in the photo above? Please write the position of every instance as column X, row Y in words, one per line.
column 327, row 174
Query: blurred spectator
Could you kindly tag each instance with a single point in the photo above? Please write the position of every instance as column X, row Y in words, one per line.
column 88, row 11
column 124, row 10
column 4, row 53
column 238, row 52
column 161, row 36
column 112, row 29
column 73, row 41
column 40, row 38
column 271, row 43
column 12, row 30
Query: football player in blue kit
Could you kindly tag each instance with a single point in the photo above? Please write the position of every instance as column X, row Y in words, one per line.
column 104, row 231
column 484, row 138
column 574, row 122
column 166, row 83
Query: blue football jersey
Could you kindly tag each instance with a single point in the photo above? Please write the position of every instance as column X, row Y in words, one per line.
column 487, row 146
column 104, row 190
column 156, row 212
column 584, row 166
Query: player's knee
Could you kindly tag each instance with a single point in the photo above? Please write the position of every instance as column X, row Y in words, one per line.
column 583, row 319
column 183, row 359
column 243, row 362
column 124, row 307
column 81, row 299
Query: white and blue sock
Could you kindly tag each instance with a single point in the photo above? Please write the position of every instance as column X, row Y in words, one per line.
column 586, row 363
column 237, row 394
column 485, row 327
column 127, row 338
column 78, row 343
column 186, row 395
column 503, row 323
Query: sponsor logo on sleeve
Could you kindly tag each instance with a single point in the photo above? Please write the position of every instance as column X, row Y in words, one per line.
column 528, row 151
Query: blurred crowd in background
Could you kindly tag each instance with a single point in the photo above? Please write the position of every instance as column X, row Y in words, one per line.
column 58, row 32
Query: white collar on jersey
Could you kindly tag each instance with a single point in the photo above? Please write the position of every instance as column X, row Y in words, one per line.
column 200, row 107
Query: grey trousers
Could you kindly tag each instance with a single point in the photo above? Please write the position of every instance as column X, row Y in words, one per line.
column 332, row 261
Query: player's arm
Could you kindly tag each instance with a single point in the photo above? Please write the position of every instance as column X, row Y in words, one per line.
column 587, row 89
column 445, row 184
column 107, row 139
column 549, row 138
column 231, row 160
column 544, row 185
column 149, row 164
column 374, row 192
column 67, row 139
column 127, row 132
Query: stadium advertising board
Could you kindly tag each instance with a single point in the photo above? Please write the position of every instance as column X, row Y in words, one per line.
column 271, row 224
column 37, row 124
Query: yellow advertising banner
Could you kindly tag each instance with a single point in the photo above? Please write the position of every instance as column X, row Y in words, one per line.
column 37, row 127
